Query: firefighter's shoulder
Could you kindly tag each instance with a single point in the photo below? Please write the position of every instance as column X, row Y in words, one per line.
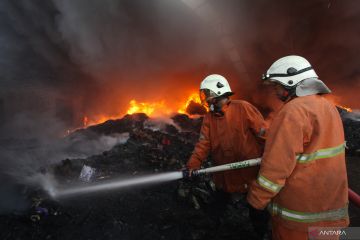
column 295, row 107
column 241, row 103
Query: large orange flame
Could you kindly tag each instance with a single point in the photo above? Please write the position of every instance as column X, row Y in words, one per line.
column 149, row 108
column 194, row 97
column 152, row 109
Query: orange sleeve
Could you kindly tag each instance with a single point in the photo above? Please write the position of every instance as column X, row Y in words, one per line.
column 255, row 120
column 202, row 147
column 284, row 141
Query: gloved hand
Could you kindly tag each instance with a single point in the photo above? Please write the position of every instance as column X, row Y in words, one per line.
column 188, row 173
column 191, row 168
column 260, row 220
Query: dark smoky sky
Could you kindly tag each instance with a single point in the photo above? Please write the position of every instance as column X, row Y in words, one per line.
column 110, row 51
column 151, row 48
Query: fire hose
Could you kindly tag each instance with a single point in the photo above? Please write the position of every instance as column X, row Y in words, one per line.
column 225, row 167
column 353, row 196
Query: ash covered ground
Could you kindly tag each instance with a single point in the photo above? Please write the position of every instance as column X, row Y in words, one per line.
column 180, row 209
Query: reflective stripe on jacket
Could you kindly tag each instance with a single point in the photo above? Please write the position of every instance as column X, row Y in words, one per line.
column 231, row 138
column 303, row 170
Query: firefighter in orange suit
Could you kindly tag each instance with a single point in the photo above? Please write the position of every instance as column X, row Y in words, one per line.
column 302, row 179
column 231, row 131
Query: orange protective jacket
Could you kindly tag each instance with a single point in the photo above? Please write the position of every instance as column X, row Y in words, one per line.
column 303, row 173
column 231, row 138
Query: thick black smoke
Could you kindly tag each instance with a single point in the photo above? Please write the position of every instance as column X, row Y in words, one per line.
column 147, row 49
column 163, row 45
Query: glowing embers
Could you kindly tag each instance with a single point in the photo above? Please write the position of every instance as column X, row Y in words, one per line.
column 89, row 121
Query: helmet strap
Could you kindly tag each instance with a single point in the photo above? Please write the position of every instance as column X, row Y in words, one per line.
column 288, row 94
column 284, row 97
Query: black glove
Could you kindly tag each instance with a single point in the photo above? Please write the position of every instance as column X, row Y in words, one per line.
column 191, row 173
column 259, row 219
column 186, row 173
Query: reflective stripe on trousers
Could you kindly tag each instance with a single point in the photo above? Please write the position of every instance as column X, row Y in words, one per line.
column 296, row 216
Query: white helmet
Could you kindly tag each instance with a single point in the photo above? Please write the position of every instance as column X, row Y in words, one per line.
column 214, row 86
column 289, row 71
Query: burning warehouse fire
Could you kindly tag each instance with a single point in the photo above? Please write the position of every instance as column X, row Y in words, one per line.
column 101, row 112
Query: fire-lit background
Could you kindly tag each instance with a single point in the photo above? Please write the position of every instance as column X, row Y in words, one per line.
column 71, row 63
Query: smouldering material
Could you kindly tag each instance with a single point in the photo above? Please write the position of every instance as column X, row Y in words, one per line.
column 117, row 184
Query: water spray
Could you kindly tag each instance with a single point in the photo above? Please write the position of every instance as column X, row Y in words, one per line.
column 116, row 184
column 143, row 180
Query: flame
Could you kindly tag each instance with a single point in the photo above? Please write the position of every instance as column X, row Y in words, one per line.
column 101, row 119
column 85, row 121
column 194, row 97
column 149, row 108
column 344, row 108
column 152, row 109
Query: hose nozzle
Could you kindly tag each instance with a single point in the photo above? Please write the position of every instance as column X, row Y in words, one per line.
column 188, row 173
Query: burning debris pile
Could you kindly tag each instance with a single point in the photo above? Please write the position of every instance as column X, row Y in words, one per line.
column 173, row 210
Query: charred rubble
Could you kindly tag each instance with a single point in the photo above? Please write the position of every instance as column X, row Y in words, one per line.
column 184, row 209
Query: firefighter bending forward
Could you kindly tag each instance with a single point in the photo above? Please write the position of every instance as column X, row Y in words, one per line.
column 302, row 179
column 231, row 131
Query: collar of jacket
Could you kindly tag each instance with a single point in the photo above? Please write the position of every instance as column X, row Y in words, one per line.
column 223, row 110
